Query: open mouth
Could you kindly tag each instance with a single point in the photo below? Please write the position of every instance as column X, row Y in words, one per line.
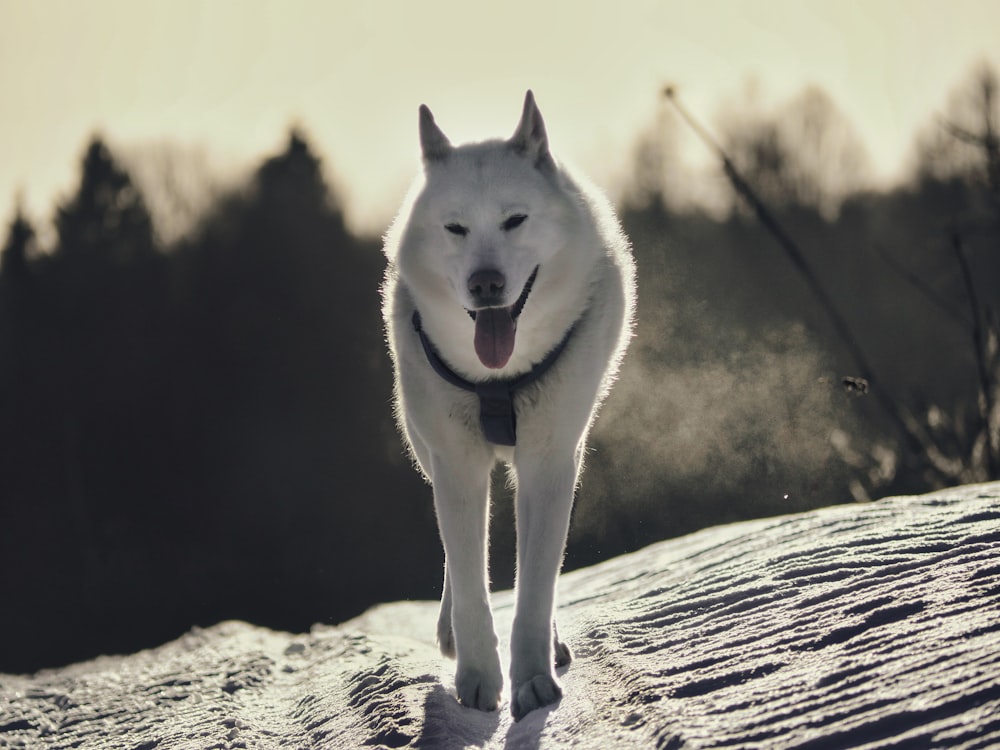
column 496, row 327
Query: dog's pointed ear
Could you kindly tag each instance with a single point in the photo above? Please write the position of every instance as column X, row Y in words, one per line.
column 530, row 138
column 433, row 143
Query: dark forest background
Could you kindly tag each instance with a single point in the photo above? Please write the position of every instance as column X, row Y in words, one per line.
column 199, row 428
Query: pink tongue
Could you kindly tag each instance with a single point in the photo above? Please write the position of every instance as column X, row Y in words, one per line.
column 494, row 336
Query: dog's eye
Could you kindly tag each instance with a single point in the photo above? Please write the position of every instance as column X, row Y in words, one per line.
column 513, row 222
column 457, row 229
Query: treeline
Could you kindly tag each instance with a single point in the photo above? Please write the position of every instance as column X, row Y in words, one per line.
column 201, row 429
column 197, row 432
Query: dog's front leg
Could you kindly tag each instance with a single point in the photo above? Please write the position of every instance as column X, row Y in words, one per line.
column 461, row 498
column 544, row 501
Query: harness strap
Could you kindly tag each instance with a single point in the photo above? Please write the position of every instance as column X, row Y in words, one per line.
column 496, row 397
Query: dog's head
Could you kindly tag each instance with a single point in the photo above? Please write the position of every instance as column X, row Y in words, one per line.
column 488, row 218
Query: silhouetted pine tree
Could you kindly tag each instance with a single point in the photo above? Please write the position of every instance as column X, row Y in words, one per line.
column 107, row 217
column 20, row 239
column 92, row 383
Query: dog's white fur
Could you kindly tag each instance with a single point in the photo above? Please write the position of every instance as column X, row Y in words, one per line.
column 585, row 278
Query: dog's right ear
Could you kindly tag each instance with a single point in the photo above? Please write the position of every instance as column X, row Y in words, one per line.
column 433, row 143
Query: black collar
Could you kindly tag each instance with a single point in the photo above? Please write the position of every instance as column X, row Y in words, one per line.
column 496, row 397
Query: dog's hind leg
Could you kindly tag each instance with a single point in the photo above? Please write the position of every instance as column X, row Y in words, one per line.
column 445, row 632
column 563, row 655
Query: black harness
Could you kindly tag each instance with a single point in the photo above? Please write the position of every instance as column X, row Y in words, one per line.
column 496, row 397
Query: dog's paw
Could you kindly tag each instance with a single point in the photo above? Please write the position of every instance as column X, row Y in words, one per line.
column 541, row 690
column 562, row 652
column 479, row 688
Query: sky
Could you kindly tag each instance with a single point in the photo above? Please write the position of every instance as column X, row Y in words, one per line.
column 225, row 79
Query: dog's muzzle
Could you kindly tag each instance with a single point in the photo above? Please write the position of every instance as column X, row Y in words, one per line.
column 496, row 326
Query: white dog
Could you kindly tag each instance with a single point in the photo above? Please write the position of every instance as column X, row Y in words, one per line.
column 508, row 303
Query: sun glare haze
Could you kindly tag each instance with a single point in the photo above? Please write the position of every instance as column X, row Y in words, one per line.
column 229, row 78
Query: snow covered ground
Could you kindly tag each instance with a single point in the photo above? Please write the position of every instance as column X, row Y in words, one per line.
column 871, row 625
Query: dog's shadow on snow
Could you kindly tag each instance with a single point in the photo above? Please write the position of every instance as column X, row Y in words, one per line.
column 447, row 724
column 526, row 734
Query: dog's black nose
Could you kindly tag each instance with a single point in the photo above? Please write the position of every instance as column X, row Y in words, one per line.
column 486, row 287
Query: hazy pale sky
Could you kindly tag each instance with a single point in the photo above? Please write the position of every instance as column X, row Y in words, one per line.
column 229, row 77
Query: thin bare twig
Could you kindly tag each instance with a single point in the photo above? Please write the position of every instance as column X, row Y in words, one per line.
column 917, row 283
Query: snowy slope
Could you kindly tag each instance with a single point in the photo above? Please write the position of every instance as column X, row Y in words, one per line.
column 866, row 625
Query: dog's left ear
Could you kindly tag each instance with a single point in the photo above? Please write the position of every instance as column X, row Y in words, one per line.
column 530, row 139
